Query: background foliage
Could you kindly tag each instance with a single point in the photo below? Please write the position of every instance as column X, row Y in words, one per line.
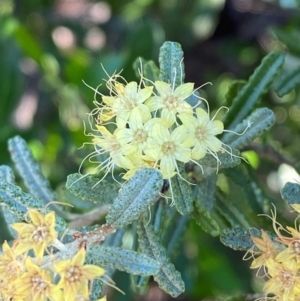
column 47, row 49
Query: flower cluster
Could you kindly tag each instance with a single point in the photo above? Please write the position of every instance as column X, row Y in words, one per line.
column 42, row 278
column 152, row 125
column 279, row 259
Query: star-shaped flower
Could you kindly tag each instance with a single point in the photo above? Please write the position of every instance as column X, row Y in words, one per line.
column 36, row 285
column 37, row 234
column 75, row 275
column 171, row 102
column 202, row 132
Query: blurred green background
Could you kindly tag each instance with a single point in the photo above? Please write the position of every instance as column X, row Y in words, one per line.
column 48, row 48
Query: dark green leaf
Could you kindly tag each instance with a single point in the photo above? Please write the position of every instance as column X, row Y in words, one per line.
column 96, row 290
column 260, row 121
column 290, row 38
column 147, row 69
column 239, row 238
column 135, row 197
column 286, row 82
column 291, row 193
column 170, row 63
column 123, row 260
column 168, row 278
column 90, row 189
column 175, row 232
column 182, row 192
column 205, row 221
column 6, row 216
column 205, row 192
column 18, row 203
column 6, row 174
column 233, row 90
column 30, row 170
column 257, row 85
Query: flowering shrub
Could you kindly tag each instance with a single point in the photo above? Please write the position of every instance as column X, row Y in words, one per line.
column 153, row 140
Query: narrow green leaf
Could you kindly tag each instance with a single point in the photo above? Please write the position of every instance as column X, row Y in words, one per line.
column 158, row 214
column 90, row 189
column 182, row 192
column 287, row 82
column 6, row 216
column 67, row 197
column 175, row 232
column 18, row 203
column 290, row 38
column 240, row 238
column 257, row 85
column 244, row 193
column 233, row 90
column 291, row 193
column 147, row 69
column 96, row 290
column 7, row 174
column 231, row 210
column 123, row 260
column 7, row 219
column 260, row 121
column 28, row 43
column 30, row 170
column 168, row 278
column 170, row 63
column 151, row 71
column 135, row 197
column 227, row 216
column 205, row 221
column 205, row 192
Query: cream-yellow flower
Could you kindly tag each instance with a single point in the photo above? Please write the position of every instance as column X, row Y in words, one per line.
column 110, row 143
column 284, row 278
column 166, row 148
column 170, row 102
column 75, row 275
column 136, row 136
column 267, row 250
column 11, row 267
column 202, row 132
column 37, row 234
column 36, row 285
column 126, row 98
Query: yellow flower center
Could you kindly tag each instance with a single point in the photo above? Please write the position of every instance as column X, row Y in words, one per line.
column 171, row 102
column 129, row 104
column 201, row 133
column 140, row 136
column 287, row 279
column 11, row 269
column 40, row 234
column 38, row 283
column 73, row 274
column 168, row 147
column 296, row 246
column 115, row 146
